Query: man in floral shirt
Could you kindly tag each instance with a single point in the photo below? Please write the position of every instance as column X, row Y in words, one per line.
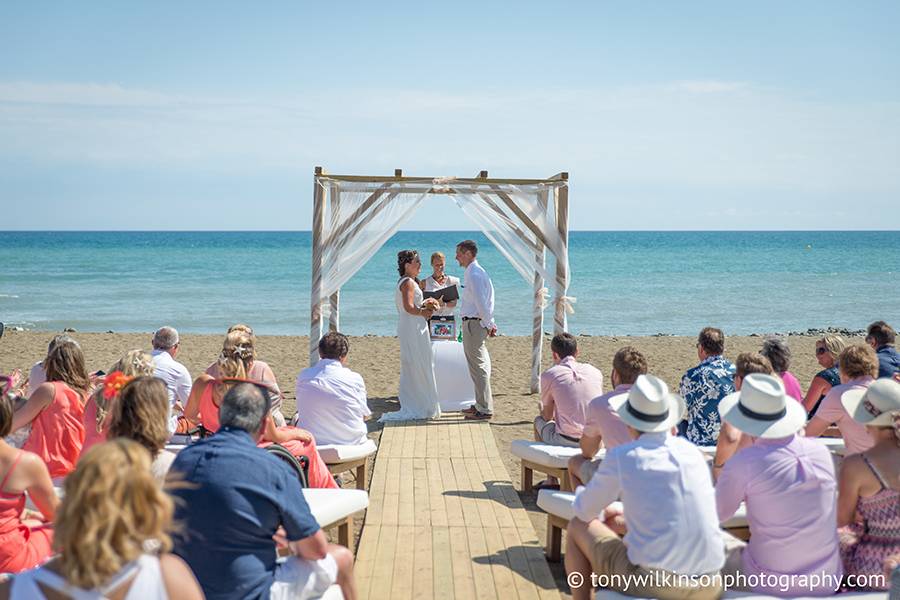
column 703, row 386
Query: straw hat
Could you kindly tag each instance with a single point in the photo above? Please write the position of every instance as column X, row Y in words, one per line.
column 762, row 408
column 648, row 406
column 873, row 405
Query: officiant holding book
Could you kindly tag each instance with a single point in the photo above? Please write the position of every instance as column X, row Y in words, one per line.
column 439, row 280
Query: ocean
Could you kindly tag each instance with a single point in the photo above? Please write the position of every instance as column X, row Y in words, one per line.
column 626, row 283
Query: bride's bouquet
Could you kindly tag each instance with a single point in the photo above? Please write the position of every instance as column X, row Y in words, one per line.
column 431, row 304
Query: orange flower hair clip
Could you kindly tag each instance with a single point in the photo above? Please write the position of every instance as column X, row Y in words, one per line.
column 113, row 384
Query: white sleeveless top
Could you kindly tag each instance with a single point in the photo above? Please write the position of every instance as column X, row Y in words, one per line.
column 146, row 585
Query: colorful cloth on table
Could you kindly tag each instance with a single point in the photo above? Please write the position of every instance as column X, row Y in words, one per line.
column 604, row 421
column 57, row 433
column 669, row 503
column 888, row 361
column 570, row 385
column 856, row 438
column 788, row 486
column 876, row 536
column 239, row 497
column 21, row 547
column 702, row 387
column 319, row 475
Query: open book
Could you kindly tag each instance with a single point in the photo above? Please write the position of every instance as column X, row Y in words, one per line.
column 447, row 294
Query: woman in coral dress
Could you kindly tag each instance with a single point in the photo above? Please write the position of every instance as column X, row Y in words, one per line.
column 56, row 410
column 234, row 364
column 25, row 541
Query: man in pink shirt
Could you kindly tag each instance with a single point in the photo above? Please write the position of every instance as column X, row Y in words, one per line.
column 858, row 365
column 566, row 389
column 602, row 424
column 787, row 483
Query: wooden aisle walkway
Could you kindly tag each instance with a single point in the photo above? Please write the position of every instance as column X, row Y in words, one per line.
column 444, row 520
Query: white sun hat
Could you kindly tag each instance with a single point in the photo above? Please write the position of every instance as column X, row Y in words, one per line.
column 648, row 406
column 873, row 405
column 762, row 408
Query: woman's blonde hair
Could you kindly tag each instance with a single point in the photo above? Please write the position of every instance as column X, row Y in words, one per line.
column 113, row 512
column 135, row 363
column 236, row 358
column 439, row 255
column 65, row 362
column 141, row 413
column 834, row 344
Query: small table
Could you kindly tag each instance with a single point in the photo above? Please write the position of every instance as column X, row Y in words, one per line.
column 451, row 374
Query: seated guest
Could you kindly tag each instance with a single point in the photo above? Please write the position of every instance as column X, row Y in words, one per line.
column 827, row 351
column 869, row 492
column 112, row 535
column 331, row 399
column 669, row 520
column 881, row 337
column 38, row 374
column 730, row 439
column 779, row 356
column 260, row 371
column 566, row 389
column 602, row 423
column 25, row 542
column 141, row 414
column 703, row 386
column 174, row 374
column 56, row 410
column 858, row 366
column 237, row 498
column 787, row 483
column 235, row 362
column 98, row 409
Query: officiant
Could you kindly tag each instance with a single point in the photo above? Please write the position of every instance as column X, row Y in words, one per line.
column 439, row 280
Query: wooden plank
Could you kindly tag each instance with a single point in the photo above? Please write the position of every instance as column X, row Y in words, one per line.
column 422, row 501
column 482, row 575
column 409, row 440
column 463, row 583
column 406, row 508
column 541, row 577
column 420, row 446
column 376, row 490
column 404, row 555
column 365, row 559
column 500, row 569
column 384, row 564
column 436, row 506
column 479, row 486
column 518, row 564
column 423, row 563
column 452, row 500
column 443, row 442
column 391, row 492
column 442, row 563
column 455, row 443
column 502, row 515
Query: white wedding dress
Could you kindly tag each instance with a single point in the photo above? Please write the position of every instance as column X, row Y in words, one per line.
column 418, row 392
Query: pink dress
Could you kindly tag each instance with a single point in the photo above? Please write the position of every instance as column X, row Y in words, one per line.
column 319, row 475
column 57, row 433
column 792, row 386
column 865, row 545
column 21, row 548
column 94, row 434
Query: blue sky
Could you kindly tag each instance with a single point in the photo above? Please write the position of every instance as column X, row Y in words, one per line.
column 668, row 115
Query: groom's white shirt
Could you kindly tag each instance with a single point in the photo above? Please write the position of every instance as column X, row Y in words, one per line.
column 478, row 295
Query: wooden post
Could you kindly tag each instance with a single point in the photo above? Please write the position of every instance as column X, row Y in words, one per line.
column 537, row 331
column 560, row 321
column 315, row 300
column 334, row 205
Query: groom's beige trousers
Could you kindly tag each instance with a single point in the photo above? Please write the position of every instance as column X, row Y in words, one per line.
column 479, row 362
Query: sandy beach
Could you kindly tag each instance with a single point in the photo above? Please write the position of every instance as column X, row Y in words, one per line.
column 377, row 359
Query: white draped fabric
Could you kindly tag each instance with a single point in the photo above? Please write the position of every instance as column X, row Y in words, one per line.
column 354, row 216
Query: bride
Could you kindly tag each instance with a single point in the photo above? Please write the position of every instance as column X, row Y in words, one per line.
column 418, row 392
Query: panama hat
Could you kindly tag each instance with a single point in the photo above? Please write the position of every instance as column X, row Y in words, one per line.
column 873, row 405
column 648, row 406
column 762, row 408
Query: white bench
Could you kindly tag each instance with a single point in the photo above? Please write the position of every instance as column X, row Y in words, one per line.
column 340, row 458
column 544, row 458
column 335, row 508
column 558, row 506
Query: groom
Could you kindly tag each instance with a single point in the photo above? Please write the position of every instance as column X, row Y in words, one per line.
column 477, row 311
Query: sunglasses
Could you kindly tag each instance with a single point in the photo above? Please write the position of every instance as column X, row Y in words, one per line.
column 821, row 351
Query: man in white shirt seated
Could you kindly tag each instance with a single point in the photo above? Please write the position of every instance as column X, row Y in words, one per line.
column 174, row 374
column 331, row 399
column 672, row 546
